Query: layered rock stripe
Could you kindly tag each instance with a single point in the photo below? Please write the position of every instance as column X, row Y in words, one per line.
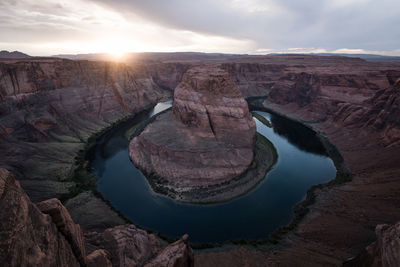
column 207, row 139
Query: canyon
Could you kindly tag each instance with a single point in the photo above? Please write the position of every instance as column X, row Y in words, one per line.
column 206, row 140
column 51, row 108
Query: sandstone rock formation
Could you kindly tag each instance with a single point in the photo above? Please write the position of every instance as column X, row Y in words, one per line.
column 98, row 258
column 45, row 235
column 92, row 213
column 50, row 107
column 383, row 252
column 177, row 254
column 385, row 113
column 206, row 140
column 31, row 238
column 343, row 218
column 126, row 245
column 71, row 231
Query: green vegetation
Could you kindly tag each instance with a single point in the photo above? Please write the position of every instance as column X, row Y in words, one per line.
column 262, row 119
column 129, row 133
column 343, row 175
column 87, row 181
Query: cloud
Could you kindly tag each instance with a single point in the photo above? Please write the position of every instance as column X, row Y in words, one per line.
column 364, row 24
column 236, row 26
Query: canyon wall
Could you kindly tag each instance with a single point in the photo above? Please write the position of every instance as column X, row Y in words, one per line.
column 344, row 91
column 355, row 104
column 44, row 234
column 50, row 107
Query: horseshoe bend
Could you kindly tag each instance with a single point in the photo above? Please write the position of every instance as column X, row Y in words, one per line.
column 313, row 139
column 204, row 143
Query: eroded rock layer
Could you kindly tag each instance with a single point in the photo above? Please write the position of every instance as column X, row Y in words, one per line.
column 207, row 139
column 50, row 107
column 45, row 235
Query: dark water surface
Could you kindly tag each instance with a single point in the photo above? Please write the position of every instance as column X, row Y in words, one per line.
column 301, row 163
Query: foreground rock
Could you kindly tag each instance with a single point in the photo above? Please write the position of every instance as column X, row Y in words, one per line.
column 207, row 139
column 127, row 245
column 71, row 231
column 92, row 213
column 383, row 252
column 30, row 237
column 178, row 254
column 45, row 235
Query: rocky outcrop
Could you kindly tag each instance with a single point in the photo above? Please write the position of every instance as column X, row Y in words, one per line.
column 178, row 254
column 126, row 245
column 208, row 100
column 98, row 258
column 45, row 235
column 30, row 237
column 383, row 252
column 385, row 113
column 92, row 213
column 388, row 244
column 71, row 231
column 207, row 139
column 129, row 246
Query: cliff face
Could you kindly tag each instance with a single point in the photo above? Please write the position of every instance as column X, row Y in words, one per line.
column 29, row 237
column 207, row 99
column 353, row 103
column 46, row 99
column 45, row 235
column 49, row 108
column 385, row 251
column 344, row 91
column 385, row 113
column 207, row 139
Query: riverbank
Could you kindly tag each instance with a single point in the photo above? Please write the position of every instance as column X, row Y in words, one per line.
column 126, row 186
column 343, row 217
column 141, row 125
column 265, row 156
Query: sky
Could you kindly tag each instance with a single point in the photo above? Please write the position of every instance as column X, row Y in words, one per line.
column 50, row 27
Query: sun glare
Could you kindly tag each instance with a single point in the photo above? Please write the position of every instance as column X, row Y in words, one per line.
column 117, row 55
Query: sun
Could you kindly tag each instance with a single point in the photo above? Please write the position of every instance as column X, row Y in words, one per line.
column 117, row 55
column 116, row 49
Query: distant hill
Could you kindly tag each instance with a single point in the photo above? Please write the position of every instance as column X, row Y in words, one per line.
column 199, row 56
column 155, row 56
column 363, row 56
column 13, row 55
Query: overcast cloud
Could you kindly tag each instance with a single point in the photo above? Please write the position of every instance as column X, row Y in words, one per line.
column 237, row 26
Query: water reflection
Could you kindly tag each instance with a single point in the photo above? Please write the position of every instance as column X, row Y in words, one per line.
column 255, row 215
column 298, row 135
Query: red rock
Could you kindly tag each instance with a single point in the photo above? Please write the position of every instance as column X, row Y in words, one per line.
column 178, row 254
column 60, row 104
column 383, row 252
column 62, row 219
column 207, row 139
column 126, row 245
column 98, row 258
column 27, row 236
